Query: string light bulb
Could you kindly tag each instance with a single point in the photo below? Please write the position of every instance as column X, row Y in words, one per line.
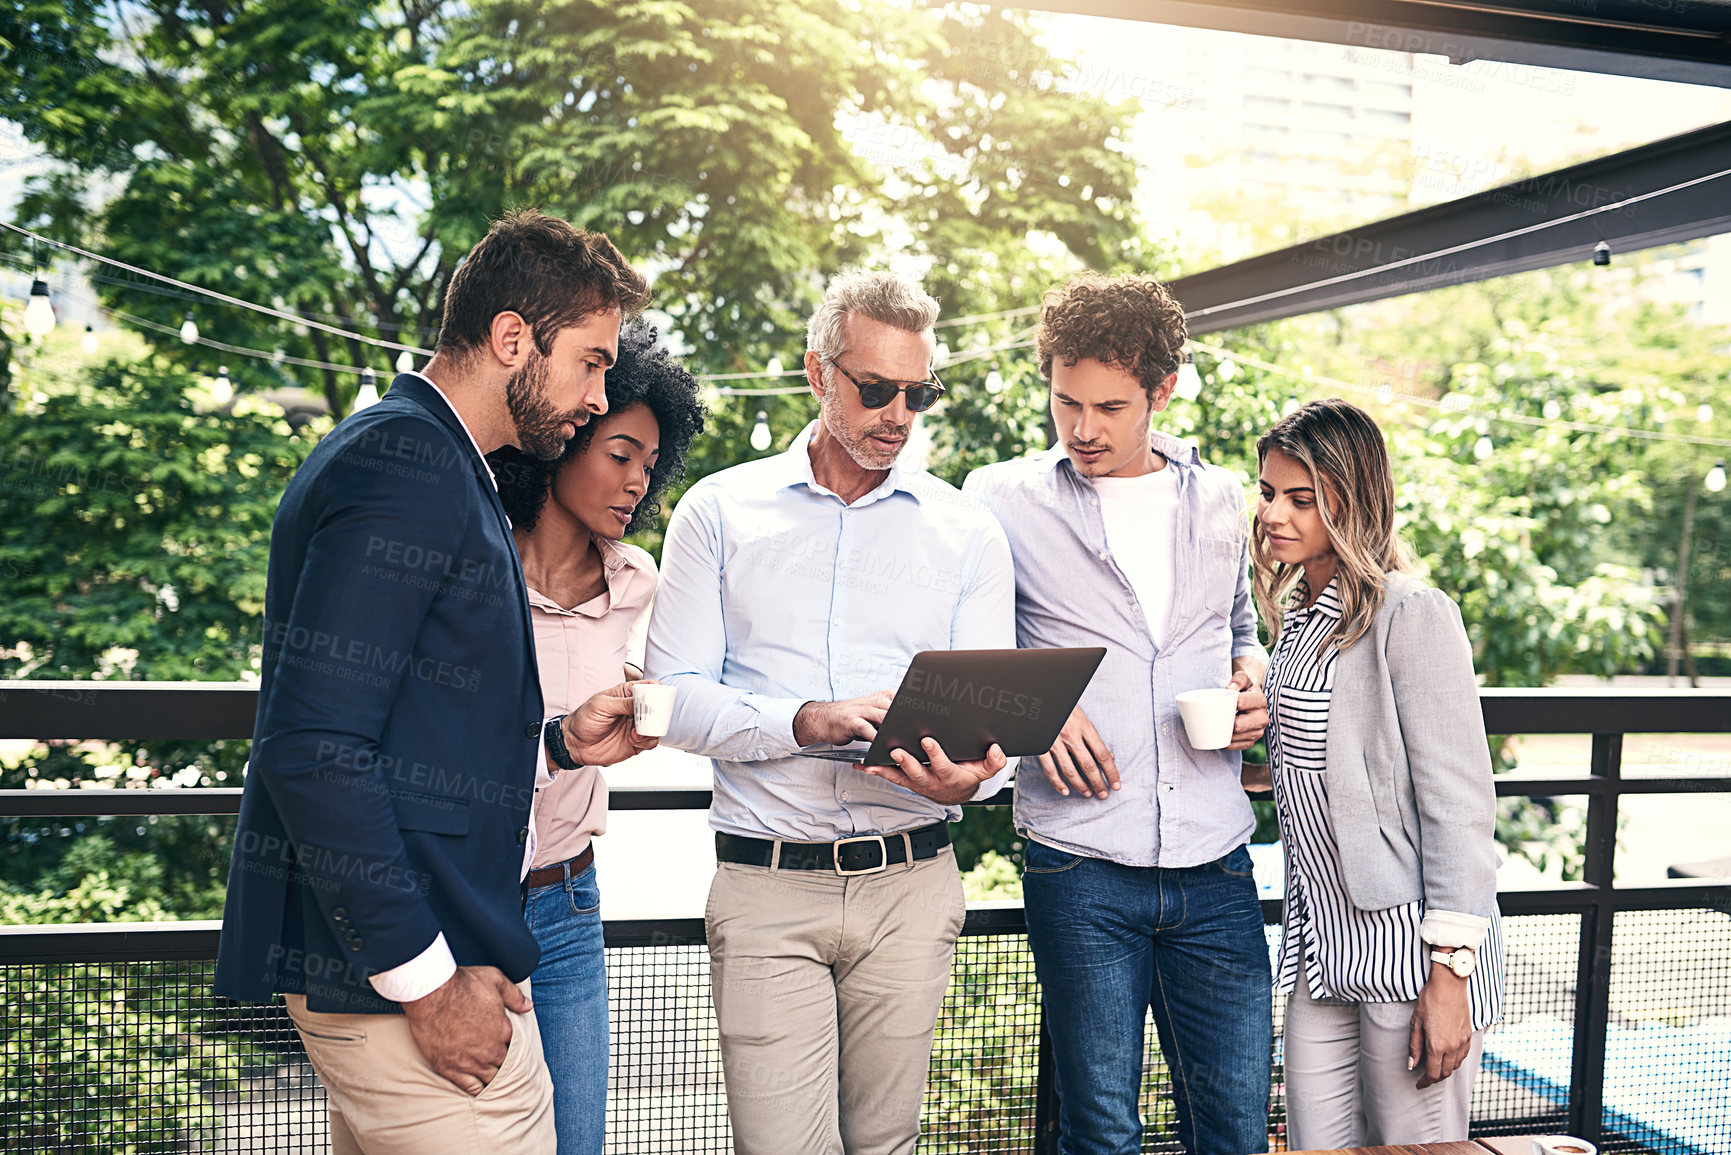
column 1483, row 449
column 994, row 382
column 405, row 362
column 1553, row 409
column 222, row 389
column 88, row 342
column 369, row 391
column 760, row 435
column 1189, row 381
column 39, row 313
column 773, row 369
column 189, row 330
column 1715, row 482
column 1704, row 413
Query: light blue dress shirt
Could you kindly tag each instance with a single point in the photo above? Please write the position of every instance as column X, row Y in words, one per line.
column 774, row 593
column 1178, row 806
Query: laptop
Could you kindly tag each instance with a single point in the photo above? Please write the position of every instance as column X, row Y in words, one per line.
column 969, row 699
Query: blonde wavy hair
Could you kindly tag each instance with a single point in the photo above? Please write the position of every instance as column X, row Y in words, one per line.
column 1344, row 453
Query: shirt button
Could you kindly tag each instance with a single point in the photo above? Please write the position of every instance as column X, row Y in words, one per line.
column 532, row 730
column 835, row 621
column 1166, row 729
column 844, row 795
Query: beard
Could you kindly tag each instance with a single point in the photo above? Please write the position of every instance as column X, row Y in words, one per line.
column 540, row 427
column 858, row 444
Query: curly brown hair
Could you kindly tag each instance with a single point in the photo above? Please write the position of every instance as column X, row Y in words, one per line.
column 1130, row 322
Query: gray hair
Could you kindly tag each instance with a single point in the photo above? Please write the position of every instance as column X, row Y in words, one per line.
column 880, row 296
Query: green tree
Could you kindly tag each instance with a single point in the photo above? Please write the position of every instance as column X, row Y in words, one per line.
column 135, row 521
column 337, row 159
column 134, row 531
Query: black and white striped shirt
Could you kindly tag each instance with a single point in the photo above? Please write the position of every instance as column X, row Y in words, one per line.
column 1372, row 956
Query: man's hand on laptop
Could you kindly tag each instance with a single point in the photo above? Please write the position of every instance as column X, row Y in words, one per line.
column 1079, row 760
column 839, row 723
column 1252, row 717
column 951, row 783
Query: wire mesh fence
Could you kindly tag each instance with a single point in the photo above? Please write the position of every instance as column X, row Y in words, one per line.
column 1668, row 1042
column 140, row 1057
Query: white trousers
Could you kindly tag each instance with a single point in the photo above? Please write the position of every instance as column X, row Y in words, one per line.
column 1347, row 1084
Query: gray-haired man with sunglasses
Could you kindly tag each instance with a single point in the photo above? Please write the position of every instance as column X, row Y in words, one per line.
column 795, row 589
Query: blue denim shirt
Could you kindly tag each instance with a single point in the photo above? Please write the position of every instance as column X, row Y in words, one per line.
column 1178, row 806
column 775, row 592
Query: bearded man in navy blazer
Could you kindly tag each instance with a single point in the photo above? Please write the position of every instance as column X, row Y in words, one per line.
column 385, row 821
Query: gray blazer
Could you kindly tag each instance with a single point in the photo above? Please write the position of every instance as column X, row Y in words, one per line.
column 1407, row 767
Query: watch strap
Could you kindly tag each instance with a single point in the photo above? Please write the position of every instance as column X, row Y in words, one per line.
column 553, row 733
column 1447, row 958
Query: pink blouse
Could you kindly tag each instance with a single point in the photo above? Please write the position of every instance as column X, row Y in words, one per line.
column 580, row 651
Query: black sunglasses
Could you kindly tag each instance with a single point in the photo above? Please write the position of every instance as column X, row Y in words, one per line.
column 921, row 395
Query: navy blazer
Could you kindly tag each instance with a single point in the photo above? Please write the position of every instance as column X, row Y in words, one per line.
column 393, row 760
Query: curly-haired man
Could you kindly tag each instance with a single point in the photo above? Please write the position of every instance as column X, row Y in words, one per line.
column 1137, row 881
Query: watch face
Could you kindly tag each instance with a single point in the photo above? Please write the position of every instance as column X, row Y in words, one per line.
column 1461, row 962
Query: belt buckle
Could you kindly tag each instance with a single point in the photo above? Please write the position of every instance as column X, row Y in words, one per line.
column 883, row 855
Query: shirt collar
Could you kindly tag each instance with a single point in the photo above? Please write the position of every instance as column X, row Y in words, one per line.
column 460, row 421
column 1174, row 449
column 617, row 564
column 1328, row 604
column 797, row 465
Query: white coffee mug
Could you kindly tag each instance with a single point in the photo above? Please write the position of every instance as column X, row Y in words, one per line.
column 1562, row 1145
column 652, row 708
column 1208, row 717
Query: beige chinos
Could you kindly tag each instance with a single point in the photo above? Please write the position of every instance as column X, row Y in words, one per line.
column 827, row 991
column 385, row 1099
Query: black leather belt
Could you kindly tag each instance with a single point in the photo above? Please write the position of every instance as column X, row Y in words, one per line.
column 865, row 854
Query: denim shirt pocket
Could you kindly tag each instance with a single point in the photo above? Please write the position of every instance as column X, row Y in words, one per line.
column 1217, row 564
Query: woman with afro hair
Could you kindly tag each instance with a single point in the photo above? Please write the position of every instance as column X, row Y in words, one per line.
column 589, row 599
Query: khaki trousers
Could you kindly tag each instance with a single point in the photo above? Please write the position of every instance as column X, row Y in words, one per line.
column 827, row 990
column 385, row 1099
column 1347, row 1084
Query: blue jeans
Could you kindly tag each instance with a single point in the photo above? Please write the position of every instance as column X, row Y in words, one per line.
column 1110, row 943
column 569, row 990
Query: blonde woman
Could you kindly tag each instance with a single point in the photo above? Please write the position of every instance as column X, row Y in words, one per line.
column 1391, row 951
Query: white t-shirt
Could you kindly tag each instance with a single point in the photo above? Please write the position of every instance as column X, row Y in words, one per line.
column 1141, row 516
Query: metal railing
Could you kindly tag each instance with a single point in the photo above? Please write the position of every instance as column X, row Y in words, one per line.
column 992, row 945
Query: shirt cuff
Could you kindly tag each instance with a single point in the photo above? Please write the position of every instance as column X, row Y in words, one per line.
column 543, row 772
column 420, row 976
column 1447, row 928
column 996, row 782
column 775, row 725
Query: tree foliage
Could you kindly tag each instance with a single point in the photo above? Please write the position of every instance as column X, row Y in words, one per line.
column 337, row 157
column 136, row 519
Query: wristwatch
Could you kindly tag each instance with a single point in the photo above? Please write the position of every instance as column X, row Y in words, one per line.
column 553, row 733
column 1461, row 960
